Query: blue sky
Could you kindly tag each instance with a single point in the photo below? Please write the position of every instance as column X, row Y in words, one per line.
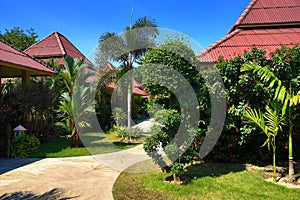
column 82, row 22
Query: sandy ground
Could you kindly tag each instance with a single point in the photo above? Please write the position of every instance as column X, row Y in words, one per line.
column 87, row 177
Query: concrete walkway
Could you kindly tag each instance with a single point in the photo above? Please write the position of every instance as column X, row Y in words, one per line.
column 87, row 177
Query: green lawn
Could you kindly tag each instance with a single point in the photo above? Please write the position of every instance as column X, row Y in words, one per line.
column 208, row 181
column 95, row 143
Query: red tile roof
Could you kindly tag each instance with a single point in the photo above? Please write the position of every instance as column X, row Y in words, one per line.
column 241, row 40
column 10, row 56
column 55, row 46
column 267, row 12
column 138, row 89
column 267, row 24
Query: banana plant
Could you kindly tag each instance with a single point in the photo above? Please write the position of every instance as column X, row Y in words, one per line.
column 270, row 123
column 286, row 96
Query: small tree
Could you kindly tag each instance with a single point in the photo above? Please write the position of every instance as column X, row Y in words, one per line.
column 158, row 68
column 287, row 96
column 71, row 70
column 270, row 123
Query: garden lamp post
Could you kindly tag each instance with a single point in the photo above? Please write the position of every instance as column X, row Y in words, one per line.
column 19, row 130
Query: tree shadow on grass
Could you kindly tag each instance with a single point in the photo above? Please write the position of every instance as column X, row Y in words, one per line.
column 50, row 195
column 213, row 169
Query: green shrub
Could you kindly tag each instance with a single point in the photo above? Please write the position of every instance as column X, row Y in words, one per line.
column 23, row 146
column 177, row 169
column 128, row 133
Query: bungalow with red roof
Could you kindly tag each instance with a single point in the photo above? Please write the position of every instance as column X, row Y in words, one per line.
column 14, row 63
column 54, row 46
column 267, row 24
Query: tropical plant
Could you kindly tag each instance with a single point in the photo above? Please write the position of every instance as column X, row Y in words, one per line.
column 72, row 69
column 127, row 49
column 270, row 123
column 126, row 133
column 119, row 116
column 287, row 96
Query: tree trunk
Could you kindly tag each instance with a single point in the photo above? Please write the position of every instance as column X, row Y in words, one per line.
column 175, row 178
column 274, row 161
column 7, row 138
column 291, row 162
column 129, row 107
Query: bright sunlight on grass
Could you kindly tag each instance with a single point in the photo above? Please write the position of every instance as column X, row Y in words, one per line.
column 208, row 181
column 97, row 144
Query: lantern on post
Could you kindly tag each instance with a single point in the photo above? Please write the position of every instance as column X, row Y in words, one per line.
column 19, row 130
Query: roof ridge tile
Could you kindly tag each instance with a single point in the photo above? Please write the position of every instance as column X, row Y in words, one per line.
column 57, row 35
column 243, row 15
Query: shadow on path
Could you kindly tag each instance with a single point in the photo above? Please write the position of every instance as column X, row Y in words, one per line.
column 50, row 195
column 8, row 164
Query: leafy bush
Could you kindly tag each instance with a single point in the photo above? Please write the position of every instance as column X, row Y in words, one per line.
column 126, row 133
column 177, row 169
column 23, row 146
column 239, row 142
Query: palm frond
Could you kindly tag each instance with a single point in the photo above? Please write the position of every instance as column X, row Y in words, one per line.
column 274, row 119
column 269, row 77
column 255, row 118
column 295, row 100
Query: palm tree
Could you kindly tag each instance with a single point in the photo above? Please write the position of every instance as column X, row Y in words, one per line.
column 71, row 69
column 286, row 96
column 270, row 123
column 127, row 48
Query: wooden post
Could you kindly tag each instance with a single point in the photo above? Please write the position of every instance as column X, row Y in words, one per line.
column 25, row 77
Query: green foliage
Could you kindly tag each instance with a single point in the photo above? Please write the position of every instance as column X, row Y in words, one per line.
column 129, row 47
column 24, row 146
column 286, row 91
column 17, row 106
column 19, row 38
column 240, row 142
column 126, row 133
column 72, row 69
column 270, row 123
column 173, row 55
column 119, row 116
column 174, row 63
column 177, row 169
column 104, row 115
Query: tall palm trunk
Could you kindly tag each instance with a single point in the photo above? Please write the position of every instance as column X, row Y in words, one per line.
column 129, row 107
column 129, row 95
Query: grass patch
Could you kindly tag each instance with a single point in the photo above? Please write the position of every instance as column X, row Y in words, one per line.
column 96, row 144
column 209, row 181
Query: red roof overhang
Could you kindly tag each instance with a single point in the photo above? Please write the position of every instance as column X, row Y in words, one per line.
column 14, row 62
column 241, row 40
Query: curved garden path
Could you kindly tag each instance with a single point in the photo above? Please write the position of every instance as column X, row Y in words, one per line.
column 86, row 177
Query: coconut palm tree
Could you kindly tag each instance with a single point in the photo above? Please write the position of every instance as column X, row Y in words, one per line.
column 127, row 48
column 287, row 96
